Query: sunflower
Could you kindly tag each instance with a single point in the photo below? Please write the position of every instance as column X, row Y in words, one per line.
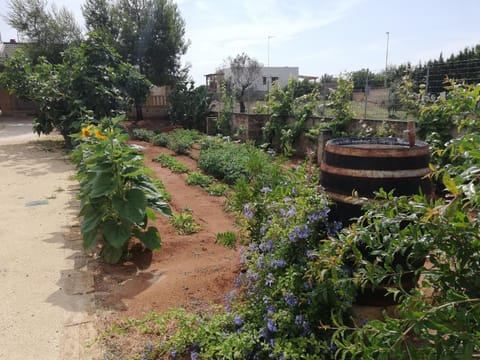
column 87, row 131
column 99, row 135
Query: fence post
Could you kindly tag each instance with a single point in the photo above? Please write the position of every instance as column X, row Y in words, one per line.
column 323, row 137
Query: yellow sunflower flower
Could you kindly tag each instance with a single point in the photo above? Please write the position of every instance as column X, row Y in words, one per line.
column 99, row 135
column 87, row 131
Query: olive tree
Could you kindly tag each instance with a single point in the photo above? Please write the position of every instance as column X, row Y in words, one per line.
column 243, row 72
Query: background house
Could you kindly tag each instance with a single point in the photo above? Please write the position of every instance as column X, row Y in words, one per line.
column 268, row 74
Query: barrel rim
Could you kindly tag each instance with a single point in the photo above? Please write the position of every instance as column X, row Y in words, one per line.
column 337, row 146
column 375, row 140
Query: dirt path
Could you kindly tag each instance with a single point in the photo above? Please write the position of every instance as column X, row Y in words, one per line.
column 46, row 309
column 189, row 271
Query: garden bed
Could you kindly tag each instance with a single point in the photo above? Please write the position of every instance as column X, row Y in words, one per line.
column 189, row 271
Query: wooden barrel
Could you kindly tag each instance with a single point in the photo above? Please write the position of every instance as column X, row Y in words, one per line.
column 355, row 168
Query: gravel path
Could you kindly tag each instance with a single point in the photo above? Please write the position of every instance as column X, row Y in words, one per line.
column 47, row 309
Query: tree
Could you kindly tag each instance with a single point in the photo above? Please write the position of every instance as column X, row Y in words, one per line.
column 92, row 82
column 48, row 32
column 244, row 71
column 147, row 33
column 99, row 15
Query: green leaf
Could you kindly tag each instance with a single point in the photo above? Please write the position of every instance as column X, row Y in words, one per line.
column 150, row 214
column 160, row 206
column 132, row 171
column 91, row 219
column 89, row 239
column 111, row 254
column 132, row 208
column 151, row 238
column 116, row 234
column 450, row 184
column 101, row 184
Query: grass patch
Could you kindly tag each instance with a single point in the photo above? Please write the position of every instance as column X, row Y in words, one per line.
column 227, row 239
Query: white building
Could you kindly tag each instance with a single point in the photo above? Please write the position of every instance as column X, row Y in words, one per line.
column 267, row 76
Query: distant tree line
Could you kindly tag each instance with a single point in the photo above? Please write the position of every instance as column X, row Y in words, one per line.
column 463, row 67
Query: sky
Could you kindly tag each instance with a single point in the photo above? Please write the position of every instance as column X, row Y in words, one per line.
column 318, row 36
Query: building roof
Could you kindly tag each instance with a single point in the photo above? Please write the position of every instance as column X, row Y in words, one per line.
column 8, row 48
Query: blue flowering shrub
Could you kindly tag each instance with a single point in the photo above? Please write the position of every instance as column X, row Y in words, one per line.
column 280, row 302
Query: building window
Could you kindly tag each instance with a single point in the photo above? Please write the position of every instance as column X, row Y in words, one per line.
column 264, row 80
column 274, row 78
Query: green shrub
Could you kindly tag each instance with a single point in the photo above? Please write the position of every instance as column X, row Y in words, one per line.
column 143, row 134
column 181, row 141
column 172, row 163
column 230, row 162
column 197, row 178
column 160, row 140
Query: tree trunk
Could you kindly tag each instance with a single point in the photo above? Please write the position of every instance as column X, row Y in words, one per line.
column 242, row 106
column 242, row 101
column 68, row 140
column 138, row 112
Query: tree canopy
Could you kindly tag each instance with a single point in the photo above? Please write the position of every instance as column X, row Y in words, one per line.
column 147, row 33
column 90, row 83
column 244, row 71
column 48, row 32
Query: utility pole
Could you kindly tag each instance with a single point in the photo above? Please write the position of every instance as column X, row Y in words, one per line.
column 268, row 49
column 386, row 59
column 366, row 95
column 269, row 78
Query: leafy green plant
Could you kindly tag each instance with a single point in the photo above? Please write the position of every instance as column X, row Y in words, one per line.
column 339, row 103
column 282, row 106
column 227, row 239
column 143, row 134
column 185, row 223
column 117, row 196
column 172, row 163
column 229, row 161
column 189, row 105
column 439, row 120
column 197, row 178
column 181, row 140
column 225, row 114
column 160, row 140
column 217, row 189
